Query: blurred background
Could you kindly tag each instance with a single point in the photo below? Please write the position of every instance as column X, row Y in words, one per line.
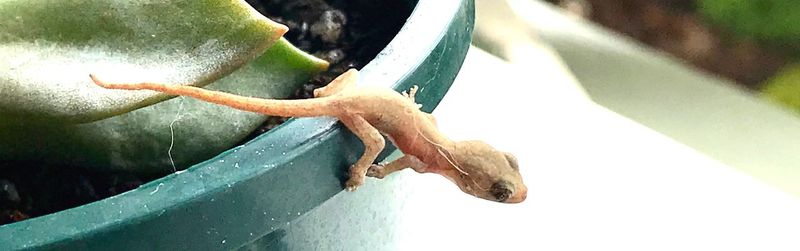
column 754, row 43
column 718, row 76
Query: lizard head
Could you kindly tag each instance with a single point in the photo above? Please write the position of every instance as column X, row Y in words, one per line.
column 487, row 173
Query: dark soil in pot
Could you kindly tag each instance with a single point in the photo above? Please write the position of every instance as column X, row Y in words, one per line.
column 347, row 33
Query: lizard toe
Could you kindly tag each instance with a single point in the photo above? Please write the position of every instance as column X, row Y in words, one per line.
column 376, row 171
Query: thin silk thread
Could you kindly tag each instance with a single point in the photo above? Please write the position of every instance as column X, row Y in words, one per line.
column 172, row 134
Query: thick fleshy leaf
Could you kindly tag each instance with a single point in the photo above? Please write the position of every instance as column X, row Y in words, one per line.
column 139, row 141
column 48, row 48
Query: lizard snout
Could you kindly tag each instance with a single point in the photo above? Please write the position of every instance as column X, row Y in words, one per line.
column 508, row 192
column 519, row 196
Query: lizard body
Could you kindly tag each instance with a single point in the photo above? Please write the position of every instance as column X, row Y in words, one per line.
column 475, row 167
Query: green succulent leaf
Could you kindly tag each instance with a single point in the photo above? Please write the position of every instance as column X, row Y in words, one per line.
column 49, row 47
column 140, row 141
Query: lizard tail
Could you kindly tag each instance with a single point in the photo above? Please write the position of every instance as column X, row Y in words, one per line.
column 273, row 107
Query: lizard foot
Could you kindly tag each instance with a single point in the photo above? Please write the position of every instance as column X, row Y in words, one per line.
column 353, row 183
column 377, row 171
column 411, row 93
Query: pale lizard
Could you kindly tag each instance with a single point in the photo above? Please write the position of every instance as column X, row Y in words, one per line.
column 474, row 166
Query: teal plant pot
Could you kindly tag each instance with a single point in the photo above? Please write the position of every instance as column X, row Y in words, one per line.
column 255, row 189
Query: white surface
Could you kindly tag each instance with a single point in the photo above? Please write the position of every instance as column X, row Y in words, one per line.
column 596, row 180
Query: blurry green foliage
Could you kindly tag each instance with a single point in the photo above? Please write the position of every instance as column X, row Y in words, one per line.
column 784, row 87
column 776, row 22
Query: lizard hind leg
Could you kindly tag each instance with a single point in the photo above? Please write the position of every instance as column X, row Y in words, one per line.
column 343, row 82
column 373, row 145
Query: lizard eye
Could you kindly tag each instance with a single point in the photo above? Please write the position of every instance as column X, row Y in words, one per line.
column 501, row 190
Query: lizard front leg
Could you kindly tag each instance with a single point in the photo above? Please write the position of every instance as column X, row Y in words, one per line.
column 412, row 92
column 373, row 145
column 382, row 170
column 411, row 95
